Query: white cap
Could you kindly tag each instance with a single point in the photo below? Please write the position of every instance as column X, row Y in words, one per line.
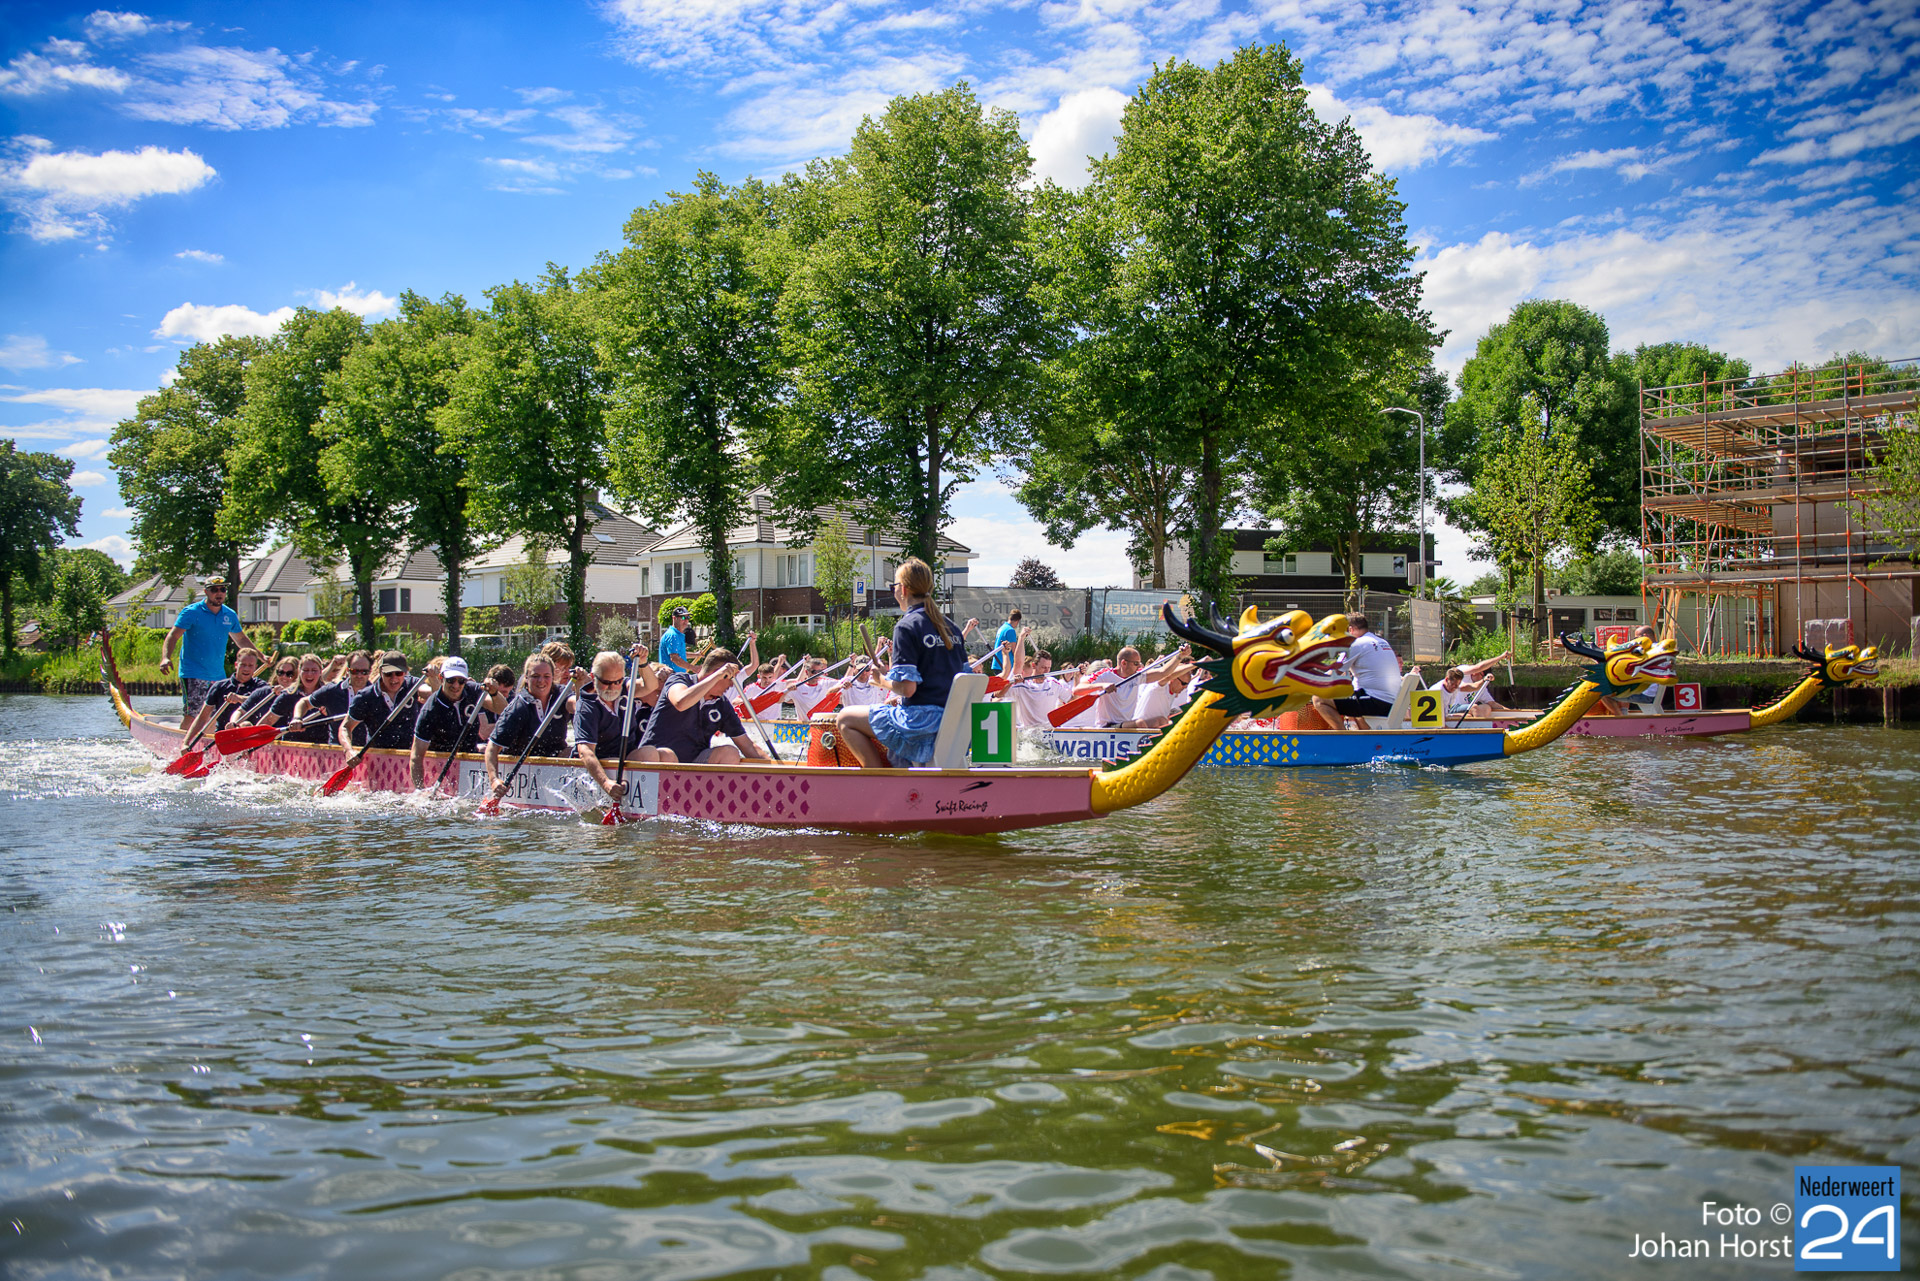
column 455, row 667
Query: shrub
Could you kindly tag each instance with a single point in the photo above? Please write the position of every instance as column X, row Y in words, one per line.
column 317, row 632
column 262, row 637
column 616, row 633
column 785, row 638
column 672, row 603
column 706, row 610
column 290, row 630
column 480, row 618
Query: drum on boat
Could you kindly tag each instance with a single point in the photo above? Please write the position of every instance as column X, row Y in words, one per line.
column 825, row 746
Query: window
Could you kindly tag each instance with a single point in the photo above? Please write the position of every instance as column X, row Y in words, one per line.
column 790, row 569
column 1285, row 564
column 1626, row 614
column 406, row 600
column 1382, row 565
column 646, row 574
column 812, row 622
column 677, row 576
column 387, row 600
column 265, row 609
column 392, row 596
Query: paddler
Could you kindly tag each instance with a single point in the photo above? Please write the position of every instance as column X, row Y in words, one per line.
column 601, row 722
column 336, row 697
column 228, row 694
column 523, row 716
column 927, row 655
column 442, row 719
column 373, row 707
column 281, row 711
column 691, row 710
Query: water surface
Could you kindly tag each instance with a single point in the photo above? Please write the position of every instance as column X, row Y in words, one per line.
column 1487, row 1022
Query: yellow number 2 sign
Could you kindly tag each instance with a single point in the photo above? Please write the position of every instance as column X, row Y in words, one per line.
column 1425, row 710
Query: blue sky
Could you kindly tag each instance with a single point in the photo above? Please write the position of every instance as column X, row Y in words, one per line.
column 1737, row 174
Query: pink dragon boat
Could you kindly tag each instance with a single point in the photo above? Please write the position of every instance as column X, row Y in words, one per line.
column 1267, row 668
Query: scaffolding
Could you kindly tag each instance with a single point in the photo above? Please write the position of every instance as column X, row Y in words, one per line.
column 1750, row 509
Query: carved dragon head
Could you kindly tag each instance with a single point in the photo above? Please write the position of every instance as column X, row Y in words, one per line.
column 1842, row 664
column 1626, row 668
column 1273, row 666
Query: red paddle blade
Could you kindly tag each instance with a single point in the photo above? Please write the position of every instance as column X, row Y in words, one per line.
column 1070, row 709
column 185, row 763
column 767, row 700
column 489, row 806
column 997, row 683
column 241, row 738
column 827, row 704
column 613, row 817
column 338, row 779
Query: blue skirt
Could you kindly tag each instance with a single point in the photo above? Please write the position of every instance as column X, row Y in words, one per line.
column 906, row 732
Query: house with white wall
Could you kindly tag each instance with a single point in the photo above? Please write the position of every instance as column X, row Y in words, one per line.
column 774, row 564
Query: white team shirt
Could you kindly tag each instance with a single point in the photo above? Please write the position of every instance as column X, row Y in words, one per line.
column 808, row 696
column 1460, row 700
column 862, row 694
column 1154, row 702
column 1373, row 667
column 1033, row 699
column 1113, row 707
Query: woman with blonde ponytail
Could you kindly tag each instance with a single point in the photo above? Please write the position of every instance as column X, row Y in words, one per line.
column 927, row 655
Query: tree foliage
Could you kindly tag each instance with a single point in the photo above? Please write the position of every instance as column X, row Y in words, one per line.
column 172, row 460
column 77, row 605
column 1260, row 261
column 1533, row 496
column 528, row 411
column 381, row 425
column 1556, row 353
column 1895, row 508
column 530, row 584
column 909, row 316
column 689, row 328
column 36, row 510
column 834, row 565
column 276, row 478
column 1608, row 573
column 1035, row 575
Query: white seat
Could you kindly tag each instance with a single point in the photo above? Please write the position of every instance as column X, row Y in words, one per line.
column 951, row 745
column 1397, row 718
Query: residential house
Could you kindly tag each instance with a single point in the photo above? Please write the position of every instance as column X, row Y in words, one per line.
column 774, row 565
column 1383, row 564
column 152, row 601
column 613, row 579
column 273, row 589
column 406, row 592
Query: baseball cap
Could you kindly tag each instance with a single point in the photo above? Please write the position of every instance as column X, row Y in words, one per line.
column 681, row 611
column 395, row 663
column 218, row 580
column 454, row 667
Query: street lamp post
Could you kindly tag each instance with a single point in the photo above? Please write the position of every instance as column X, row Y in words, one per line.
column 1421, row 589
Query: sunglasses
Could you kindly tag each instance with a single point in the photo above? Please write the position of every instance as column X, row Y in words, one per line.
column 610, row 682
column 216, row 591
column 361, row 671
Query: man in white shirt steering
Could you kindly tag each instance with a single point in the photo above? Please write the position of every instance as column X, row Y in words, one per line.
column 1374, row 670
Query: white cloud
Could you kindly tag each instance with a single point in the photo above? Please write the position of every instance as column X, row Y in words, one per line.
column 228, row 88
column 368, row 302
column 1396, row 142
column 1844, row 132
column 118, row 513
column 200, row 255
column 113, row 545
column 96, row 407
column 87, row 449
column 59, row 193
column 194, row 322
column 87, row 479
column 105, row 24
column 32, row 74
column 30, row 351
column 1084, row 124
column 988, row 519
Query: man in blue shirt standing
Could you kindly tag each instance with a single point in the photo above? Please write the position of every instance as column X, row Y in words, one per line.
column 673, row 642
column 1009, row 633
column 205, row 625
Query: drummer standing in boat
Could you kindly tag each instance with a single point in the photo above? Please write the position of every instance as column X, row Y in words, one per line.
column 205, row 627
column 927, row 655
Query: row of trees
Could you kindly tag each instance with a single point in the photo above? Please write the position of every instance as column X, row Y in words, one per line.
column 1149, row 353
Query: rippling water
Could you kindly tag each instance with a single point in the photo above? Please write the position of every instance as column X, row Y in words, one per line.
column 1494, row 1021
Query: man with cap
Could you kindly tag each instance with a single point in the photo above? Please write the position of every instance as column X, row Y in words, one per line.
column 673, row 641
column 373, row 708
column 442, row 720
column 205, row 626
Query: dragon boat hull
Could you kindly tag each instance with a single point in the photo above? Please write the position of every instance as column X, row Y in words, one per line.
column 1649, row 724
column 964, row 802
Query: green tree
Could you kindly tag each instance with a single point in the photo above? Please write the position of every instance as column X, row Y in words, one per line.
column 530, row 584
column 1355, row 477
column 36, row 510
column 1674, row 364
column 834, row 566
column 106, row 572
column 77, row 605
column 276, row 480
column 1534, row 498
column 1555, row 352
column 1103, row 449
column 1609, row 573
column 1261, row 260
column 1034, row 574
column 689, row 328
column 382, row 426
column 909, row 316
column 528, row 411
column 1895, row 506
column 172, row 460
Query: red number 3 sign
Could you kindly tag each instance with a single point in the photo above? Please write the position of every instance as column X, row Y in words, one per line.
column 1686, row 698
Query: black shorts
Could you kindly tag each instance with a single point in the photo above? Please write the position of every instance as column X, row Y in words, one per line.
column 1362, row 705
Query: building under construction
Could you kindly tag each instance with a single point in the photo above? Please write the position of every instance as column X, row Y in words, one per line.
column 1753, row 513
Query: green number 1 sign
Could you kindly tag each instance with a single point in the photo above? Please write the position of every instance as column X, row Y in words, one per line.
column 992, row 726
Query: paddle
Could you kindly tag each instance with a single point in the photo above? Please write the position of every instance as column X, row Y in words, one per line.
column 766, row 734
column 613, row 816
column 491, row 805
column 189, row 760
column 1074, row 706
column 244, row 738
column 340, row 777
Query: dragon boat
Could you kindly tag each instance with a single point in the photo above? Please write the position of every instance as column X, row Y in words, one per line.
column 1414, row 732
column 1836, row 668
column 1266, row 669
